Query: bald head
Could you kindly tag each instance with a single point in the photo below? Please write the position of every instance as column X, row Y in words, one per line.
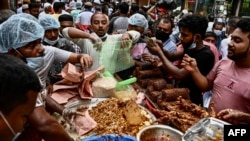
column 99, row 23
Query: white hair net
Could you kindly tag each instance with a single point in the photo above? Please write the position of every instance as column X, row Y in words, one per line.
column 138, row 20
column 18, row 31
column 48, row 22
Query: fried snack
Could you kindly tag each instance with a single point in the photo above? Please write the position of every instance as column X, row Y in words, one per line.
column 149, row 73
column 173, row 94
column 111, row 119
column 181, row 113
column 150, row 88
column 159, row 84
column 143, row 83
column 145, row 66
column 154, row 95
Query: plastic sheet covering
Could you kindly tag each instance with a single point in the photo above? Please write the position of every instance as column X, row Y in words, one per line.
column 115, row 56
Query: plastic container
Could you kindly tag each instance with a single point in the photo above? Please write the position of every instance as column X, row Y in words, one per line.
column 110, row 137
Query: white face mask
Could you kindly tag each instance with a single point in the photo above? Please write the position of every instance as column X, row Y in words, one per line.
column 51, row 42
column 218, row 32
column 193, row 45
column 16, row 135
column 35, row 62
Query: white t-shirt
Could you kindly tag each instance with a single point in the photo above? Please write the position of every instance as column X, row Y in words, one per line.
column 84, row 17
column 224, row 46
column 51, row 54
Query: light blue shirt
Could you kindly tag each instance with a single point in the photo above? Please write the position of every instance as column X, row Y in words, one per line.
column 169, row 45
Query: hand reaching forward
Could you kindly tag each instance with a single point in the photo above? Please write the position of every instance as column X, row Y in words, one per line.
column 234, row 116
column 154, row 46
column 86, row 60
column 70, row 113
column 189, row 63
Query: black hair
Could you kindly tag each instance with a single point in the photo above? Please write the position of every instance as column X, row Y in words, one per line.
column 123, row 7
column 140, row 11
column 34, row 5
column 134, row 8
column 210, row 34
column 244, row 25
column 16, row 80
column 167, row 20
column 57, row 6
column 210, row 18
column 196, row 24
column 105, row 9
column 232, row 22
column 65, row 17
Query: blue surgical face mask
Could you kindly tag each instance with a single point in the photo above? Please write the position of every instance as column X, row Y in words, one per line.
column 16, row 135
column 35, row 62
column 192, row 46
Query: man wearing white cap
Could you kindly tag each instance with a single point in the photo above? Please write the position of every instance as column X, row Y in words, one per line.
column 20, row 9
column 25, row 8
column 47, row 9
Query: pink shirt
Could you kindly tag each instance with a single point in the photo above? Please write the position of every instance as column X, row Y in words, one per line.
column 231, row 87
column 214, row 50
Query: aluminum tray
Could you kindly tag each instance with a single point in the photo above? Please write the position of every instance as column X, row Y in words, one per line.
column 205, row 130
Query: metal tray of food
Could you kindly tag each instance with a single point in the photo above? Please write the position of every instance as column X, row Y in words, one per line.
column 207, row 129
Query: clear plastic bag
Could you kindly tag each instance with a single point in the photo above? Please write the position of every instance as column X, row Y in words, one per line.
column 115, row 56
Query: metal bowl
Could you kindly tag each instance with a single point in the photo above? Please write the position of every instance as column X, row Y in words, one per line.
column 154, row 132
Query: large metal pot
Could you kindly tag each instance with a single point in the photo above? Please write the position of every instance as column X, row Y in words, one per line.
column 159, row 132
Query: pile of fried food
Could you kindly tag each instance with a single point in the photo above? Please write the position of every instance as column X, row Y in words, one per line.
column 114, row 116
column 182, row 113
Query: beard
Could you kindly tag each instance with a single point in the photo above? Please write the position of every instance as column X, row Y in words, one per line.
column 240, row 55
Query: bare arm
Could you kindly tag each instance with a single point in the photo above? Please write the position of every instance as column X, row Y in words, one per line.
column 173, row 56
column 84, row 59
column 151, row 12
column 76, row 33
column 47, row 127
column 53, row 106
column 172, row 69
column 168, row 65
column 234, row 116
column 201, row 81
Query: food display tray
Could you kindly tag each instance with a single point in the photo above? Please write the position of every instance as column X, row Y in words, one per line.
column 207, row 129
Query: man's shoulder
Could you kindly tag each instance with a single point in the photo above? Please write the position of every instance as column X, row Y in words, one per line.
column 169, row 42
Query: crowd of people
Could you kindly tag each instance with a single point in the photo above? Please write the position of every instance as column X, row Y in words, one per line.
column 208, row 56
